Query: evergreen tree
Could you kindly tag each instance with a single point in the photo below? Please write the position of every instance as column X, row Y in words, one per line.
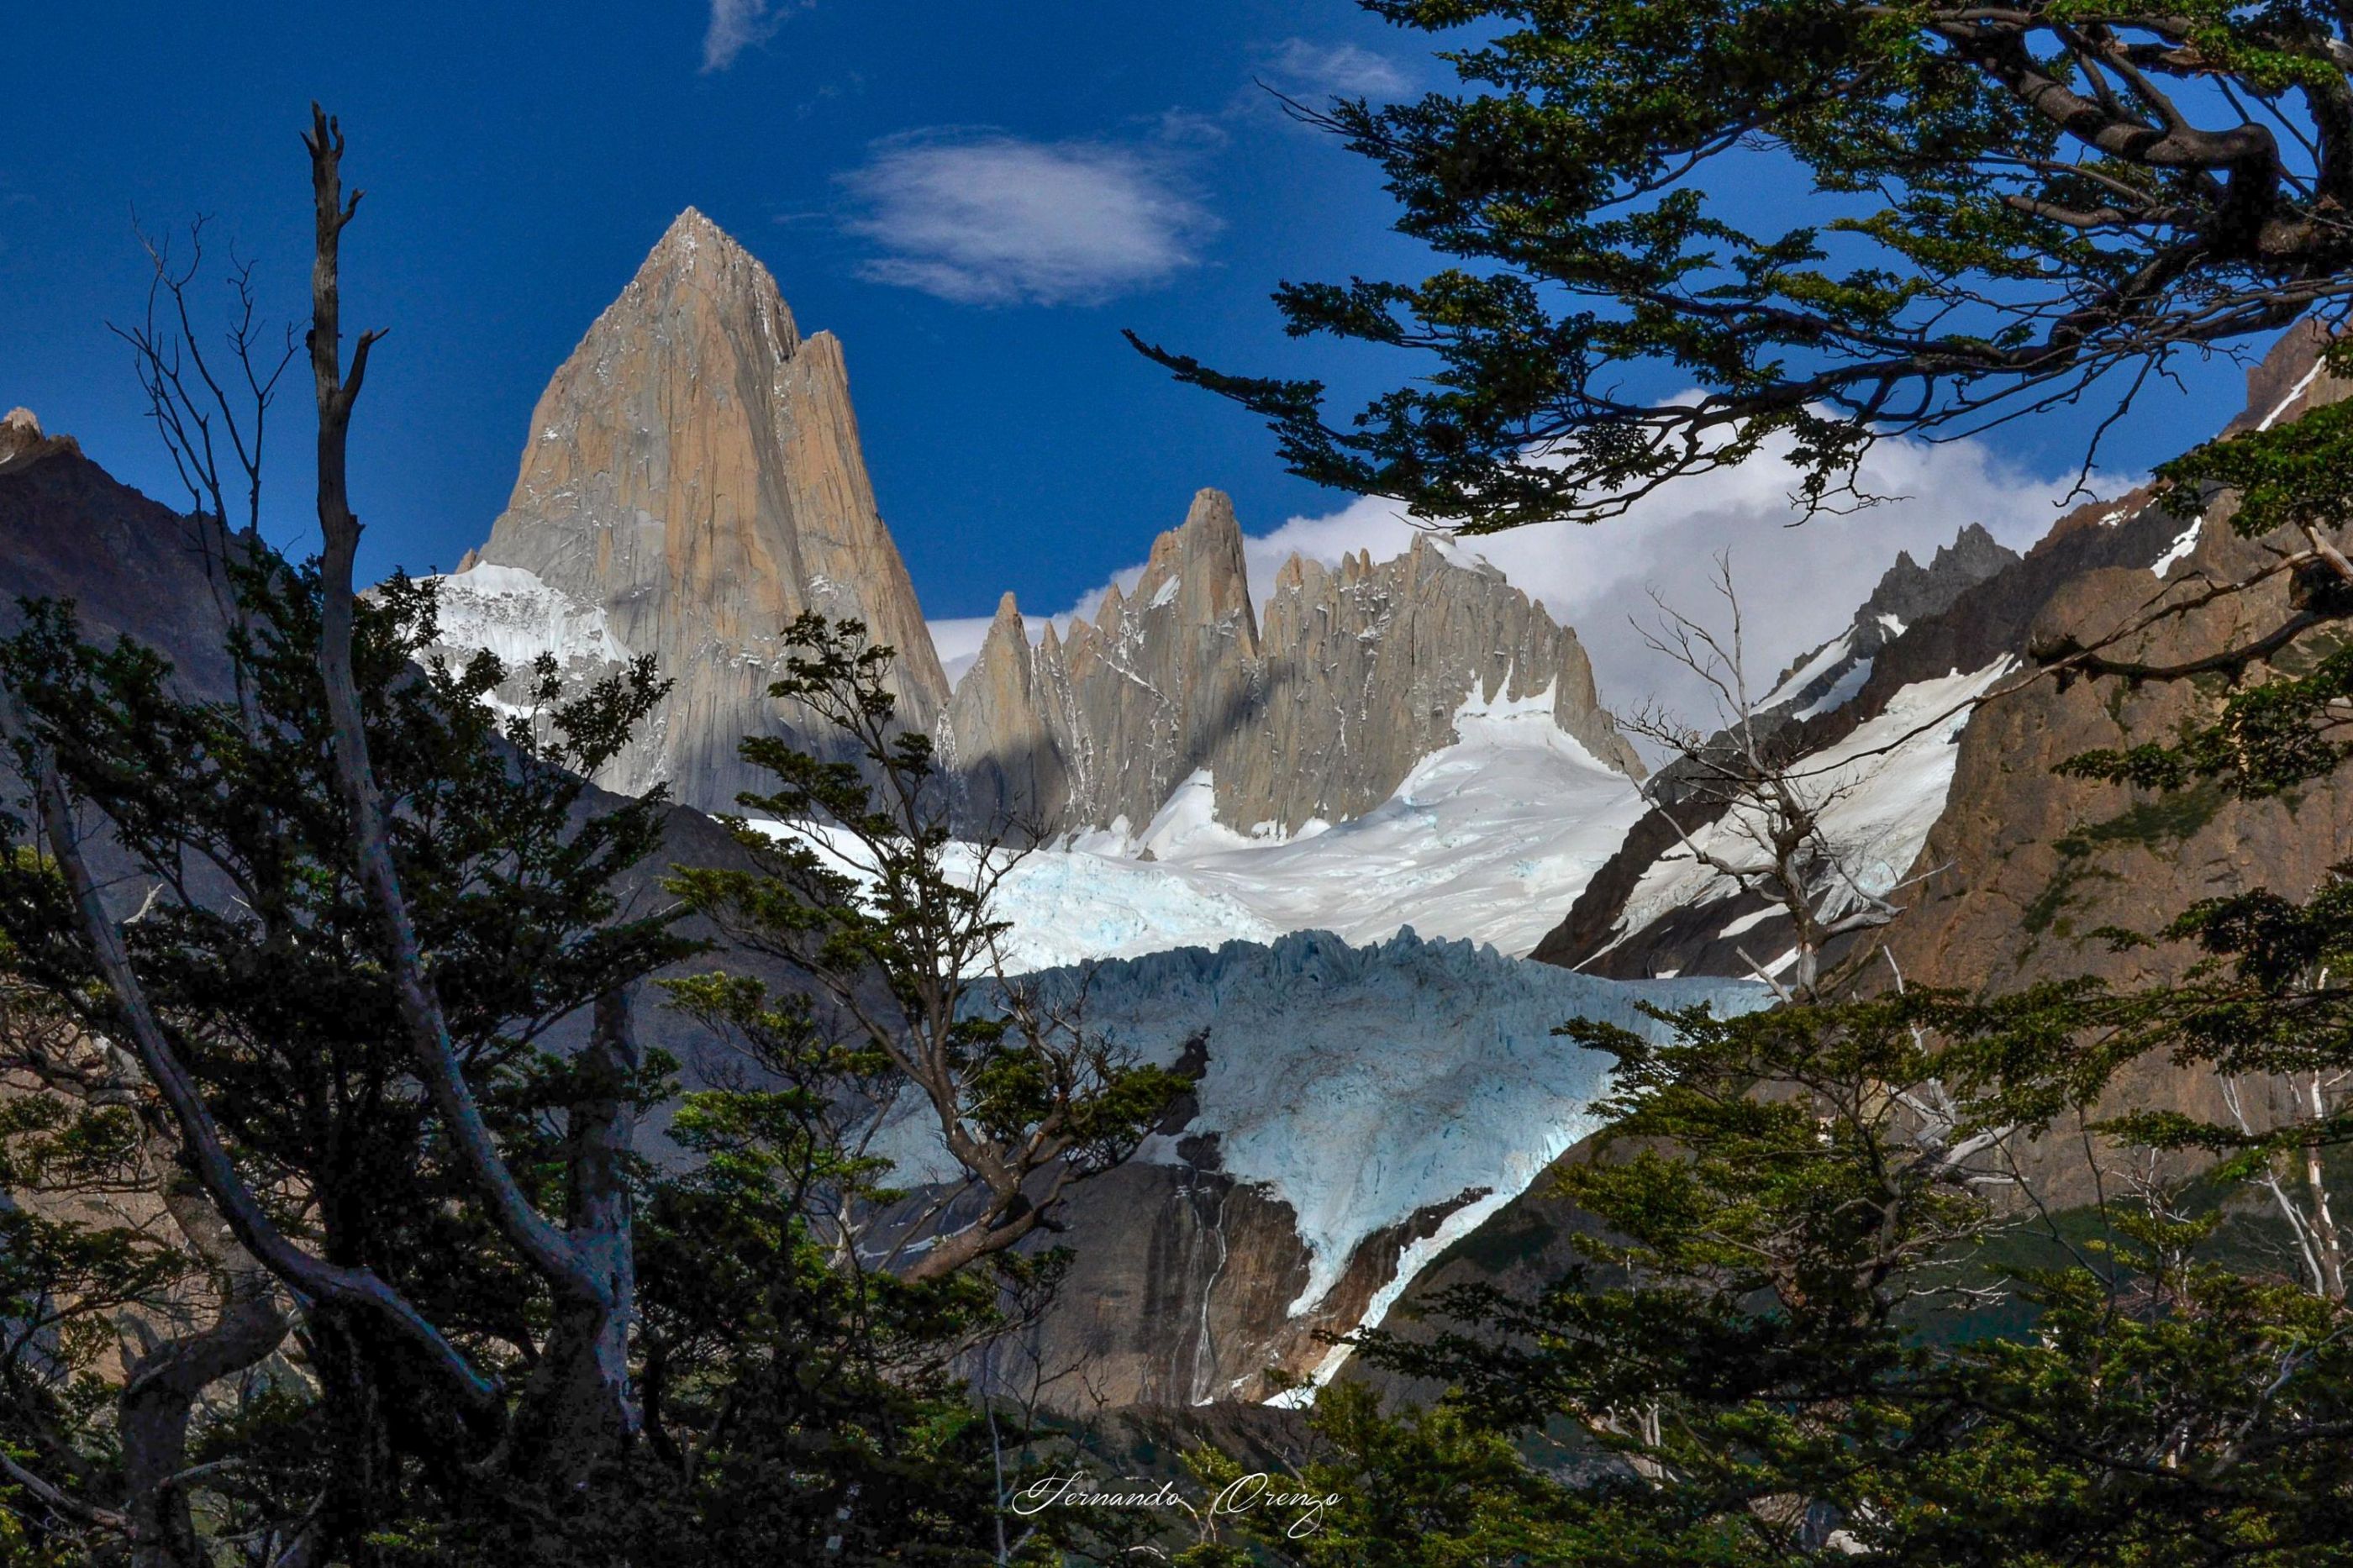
column 1991, row 211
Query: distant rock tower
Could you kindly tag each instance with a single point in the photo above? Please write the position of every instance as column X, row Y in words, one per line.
column 693, row 481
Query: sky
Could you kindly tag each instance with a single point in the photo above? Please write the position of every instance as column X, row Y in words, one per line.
column 975, row 198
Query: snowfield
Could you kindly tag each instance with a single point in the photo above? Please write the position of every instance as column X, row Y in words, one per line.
column 1489, row 840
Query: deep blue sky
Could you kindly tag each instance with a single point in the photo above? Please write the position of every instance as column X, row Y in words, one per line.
column 521, row 159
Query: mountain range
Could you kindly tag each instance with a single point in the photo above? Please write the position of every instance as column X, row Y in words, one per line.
column 1344, row 856
column 693, row 480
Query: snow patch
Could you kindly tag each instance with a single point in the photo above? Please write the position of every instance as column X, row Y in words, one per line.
column 1749, row 922
column 1825, row 659
column 2178, row 550
column 1842, row 691
column 1072, row 907
column 1489, row 839
column 2298, row 390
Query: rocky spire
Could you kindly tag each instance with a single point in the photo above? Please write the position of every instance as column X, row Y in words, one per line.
column 1143, row 697
column 693, row 480
column 995, row 734
column 1911, row 592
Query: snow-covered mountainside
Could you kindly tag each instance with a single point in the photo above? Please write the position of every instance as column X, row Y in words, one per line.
column 1487, row 839
column 1882, row 788
column 1881, row 716
column 1383, row 1099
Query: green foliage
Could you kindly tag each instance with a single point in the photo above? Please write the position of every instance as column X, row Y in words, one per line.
column 261, row 956
column 857, row 887
column 2008, row 205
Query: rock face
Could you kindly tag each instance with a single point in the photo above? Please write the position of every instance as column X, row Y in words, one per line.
column 2040, row 862
column 693, row 481
column 1316, row 713
column 1366, row 666
column 1104, row 726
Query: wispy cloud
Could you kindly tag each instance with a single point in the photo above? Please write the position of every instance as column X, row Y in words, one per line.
column 1305, row 66
column 736, row 25
column 982, row 217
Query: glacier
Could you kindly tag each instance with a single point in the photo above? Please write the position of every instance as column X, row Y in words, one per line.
column 1361, row 1085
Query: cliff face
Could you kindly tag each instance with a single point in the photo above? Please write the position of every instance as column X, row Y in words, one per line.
column 1366, row 666
column 2040, row 862
column 692, row 482
column 1084, row 732
column 1318, row 711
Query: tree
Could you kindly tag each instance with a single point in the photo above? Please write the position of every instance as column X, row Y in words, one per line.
column 1748, row 805
column 861, row 895
column 369, row 902
column 1999, row 210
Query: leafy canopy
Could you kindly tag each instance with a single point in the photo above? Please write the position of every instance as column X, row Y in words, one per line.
column 2010, row 206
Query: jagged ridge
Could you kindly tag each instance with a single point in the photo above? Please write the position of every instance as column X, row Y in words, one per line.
column 1316, row 711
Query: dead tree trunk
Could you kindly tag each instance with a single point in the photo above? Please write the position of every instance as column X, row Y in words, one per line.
column 588, row 1294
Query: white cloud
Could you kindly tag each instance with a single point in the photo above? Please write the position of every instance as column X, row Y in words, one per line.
column 1798, row 585
column 957, row 642
column 985, row 218
column 1342, row 68
column 736, row 25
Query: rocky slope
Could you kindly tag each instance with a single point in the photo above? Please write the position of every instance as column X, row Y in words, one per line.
column 1829, row 676
column 1887, row 729
column 692, row 482
column 1356, row 1111
column 2036, row 864
column 68, row 529
column 1313, row 712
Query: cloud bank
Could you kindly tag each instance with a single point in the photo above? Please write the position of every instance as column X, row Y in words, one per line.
column 987, row 218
